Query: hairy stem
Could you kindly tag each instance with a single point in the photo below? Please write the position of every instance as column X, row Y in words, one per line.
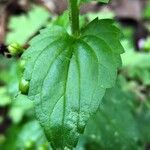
column 74, row 16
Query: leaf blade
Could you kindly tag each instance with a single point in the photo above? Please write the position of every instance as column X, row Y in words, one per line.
column 66, row 79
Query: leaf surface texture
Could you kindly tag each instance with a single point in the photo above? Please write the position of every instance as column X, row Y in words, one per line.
column 68, row 77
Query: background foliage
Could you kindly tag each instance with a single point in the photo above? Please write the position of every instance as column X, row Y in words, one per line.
column 123, row 119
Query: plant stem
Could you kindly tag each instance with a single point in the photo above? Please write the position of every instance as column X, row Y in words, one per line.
column 74, row 16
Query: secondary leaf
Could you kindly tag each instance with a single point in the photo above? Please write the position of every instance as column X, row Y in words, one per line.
column 24, row 26
column 68, row 77
column 136, row 65
column 114, row 126
column 5, row 99
column 8, row 141
column 103, row 1
column 33, row 138
column 21, row 106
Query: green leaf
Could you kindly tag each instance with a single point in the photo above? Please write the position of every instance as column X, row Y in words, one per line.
column 20, row 107
column 146, row 14
column 103, row 1
column 5, row 98
column 136, row 65
column 143, row 120
column 8, row 140
column 103, row 14
column 114, row 126
column 31, row 137
column 24, row 26
column 68, row 77
column 63, row 20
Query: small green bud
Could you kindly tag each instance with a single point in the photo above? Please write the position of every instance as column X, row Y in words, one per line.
column 22, row 65
column 15, row 49
column 43, row 147
column 2, row 139
column 29, row 144
column 24, row 86
column 147, row 44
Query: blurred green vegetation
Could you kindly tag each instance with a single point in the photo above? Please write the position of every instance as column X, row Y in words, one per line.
column 123, row 119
